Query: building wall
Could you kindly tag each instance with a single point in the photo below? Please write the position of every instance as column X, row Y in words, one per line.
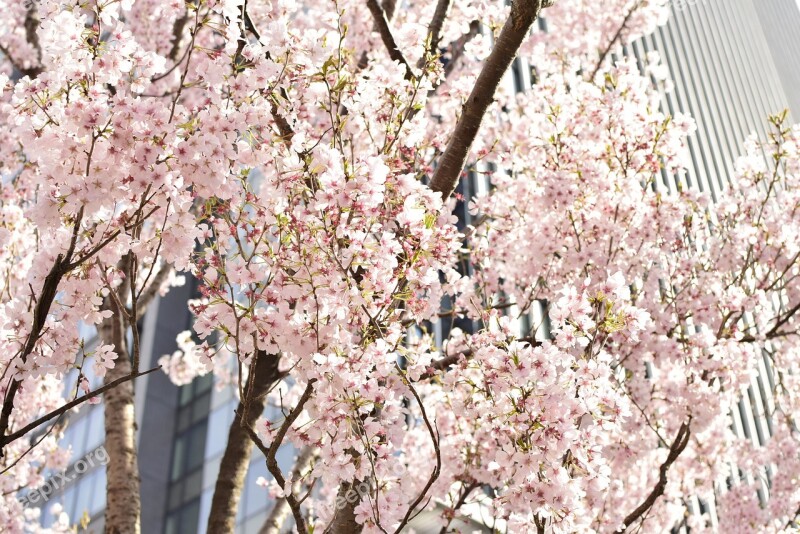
column 780, row 20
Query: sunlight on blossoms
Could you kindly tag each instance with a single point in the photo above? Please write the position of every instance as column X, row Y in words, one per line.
column 372, row 266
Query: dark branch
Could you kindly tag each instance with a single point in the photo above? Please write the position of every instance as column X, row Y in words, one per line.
column 681, row 440
column 382, row 23
column 614, row 39
column 177, row 35
column 457, row 49
column 32, row 36
column 281, row 509
column 68, row 406
column 437, row 22
column 284, row 128
column 49, row 289
column 515, row 30
column 442, row 364
column 149, row 291
column 434, row 433
column 271, row 452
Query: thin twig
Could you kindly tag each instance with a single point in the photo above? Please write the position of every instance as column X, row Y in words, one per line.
column 678, row 446
column 271, row 452
column 435, row 440
column 68, row 406
column 614, row 39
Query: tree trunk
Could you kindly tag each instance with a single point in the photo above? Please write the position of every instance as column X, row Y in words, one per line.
column 344, row 518
column 123, row 503
column 236, row 459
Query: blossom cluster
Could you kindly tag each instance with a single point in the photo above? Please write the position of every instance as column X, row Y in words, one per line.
column 279, row 153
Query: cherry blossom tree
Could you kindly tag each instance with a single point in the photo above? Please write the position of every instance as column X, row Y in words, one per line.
column 300, row 160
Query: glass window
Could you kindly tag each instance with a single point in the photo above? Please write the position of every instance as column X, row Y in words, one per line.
column 85, row 493
column 256, row 497
column 178, row 457
column 69, row 501
column 68, row 435
column 218, row 426
column 175, row 497
column 184, row 419
column 210, row 471
column 196, row 447
column 200, row 408
column 47, row 514
column 204, row 383
column 79, row 437
column 172, row 524
column 193, row 485
column 186, row 394
column 190, row 517
column 98, row 503
column 205, row 509
column 285, row 457
column 94, row 434
column 221, row 396
column 69, row 382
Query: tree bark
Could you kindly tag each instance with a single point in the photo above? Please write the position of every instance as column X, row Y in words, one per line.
column 236, row 458
column 515, row 29
column 344, row 519
column 123, row 502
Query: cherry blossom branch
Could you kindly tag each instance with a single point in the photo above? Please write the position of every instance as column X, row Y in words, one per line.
column 281, row 510
column 33, row 445
column 32, row 36
column 271, row 452
column 48, row 294
column 71, row 404
column 437, row 22
column 284, row 128
column 248, row 22
column 515, row 30
column 173, row 53
column 62, row 265
column 149, row 292
column 97, row 248
column 133, row 312
column 678, row 446
column 794, row 520
column 614, row 39
column 382, row 24
column 286, row 131
column 177, row 35
column 457, row 48
column 445, row 362
column 435, row 440
column 775, row 331
column 462, row 499
column 188, row 61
